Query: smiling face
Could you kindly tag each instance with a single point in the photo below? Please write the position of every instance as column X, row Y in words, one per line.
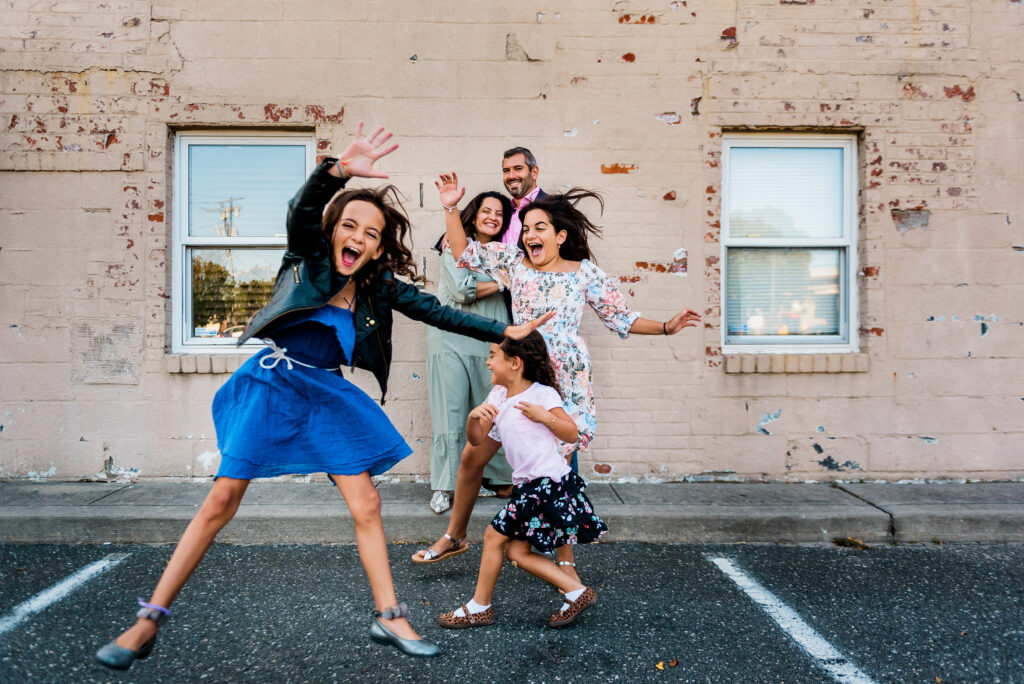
column 357, row 236
column 503, row 369
column 517, row 175
column 539, row 238
column 488, row 221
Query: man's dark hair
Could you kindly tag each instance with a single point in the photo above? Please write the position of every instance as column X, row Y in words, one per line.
column 531, row 161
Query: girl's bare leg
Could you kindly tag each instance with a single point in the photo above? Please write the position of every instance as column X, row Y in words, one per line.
column 363, row 503
column 467, row 486
column 490, row 565
column 218, row 508
column 539, row 566
column 565, row 555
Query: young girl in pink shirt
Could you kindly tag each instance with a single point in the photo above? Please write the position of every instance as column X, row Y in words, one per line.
column 548, row 507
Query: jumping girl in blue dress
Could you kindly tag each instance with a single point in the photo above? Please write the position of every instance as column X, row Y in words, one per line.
column 289, row 409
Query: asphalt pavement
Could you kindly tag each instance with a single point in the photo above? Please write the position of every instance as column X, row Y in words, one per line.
column 915, row 613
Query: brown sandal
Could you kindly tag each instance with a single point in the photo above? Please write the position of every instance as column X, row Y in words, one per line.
column 564, row 618
column 450, row 621
column 428, row 555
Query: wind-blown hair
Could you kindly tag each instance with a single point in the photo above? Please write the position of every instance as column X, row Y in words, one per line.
column 468, row 215
column 563, row 215
column 534, row 354
column 396, row 255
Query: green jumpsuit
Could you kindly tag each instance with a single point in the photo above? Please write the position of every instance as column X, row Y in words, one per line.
column 457, row 377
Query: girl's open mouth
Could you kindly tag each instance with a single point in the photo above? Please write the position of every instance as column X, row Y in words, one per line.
column 349, row 256
column 536, row 251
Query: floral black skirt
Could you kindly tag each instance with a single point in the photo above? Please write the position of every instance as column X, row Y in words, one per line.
column 549, row 514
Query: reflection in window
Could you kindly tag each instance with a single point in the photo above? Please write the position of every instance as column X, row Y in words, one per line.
column 228, row 287
column 783, row 292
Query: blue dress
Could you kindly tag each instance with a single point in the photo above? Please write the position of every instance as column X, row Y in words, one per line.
column 288, row 410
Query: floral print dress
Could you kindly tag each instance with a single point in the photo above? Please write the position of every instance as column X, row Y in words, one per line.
column 534, row 293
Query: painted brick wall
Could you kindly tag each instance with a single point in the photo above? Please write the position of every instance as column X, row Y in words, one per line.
column 630, row 98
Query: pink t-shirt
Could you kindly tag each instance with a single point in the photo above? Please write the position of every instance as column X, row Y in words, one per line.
column 531, row 448
column 515, row 226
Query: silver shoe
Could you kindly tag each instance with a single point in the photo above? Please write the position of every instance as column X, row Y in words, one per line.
column 440, row 502
column 420, row 648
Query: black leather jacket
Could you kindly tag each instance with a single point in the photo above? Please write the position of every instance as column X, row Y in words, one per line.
column 307, row 280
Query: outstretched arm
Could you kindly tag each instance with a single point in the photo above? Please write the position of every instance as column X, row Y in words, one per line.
column 683, row 319
column 450, row 194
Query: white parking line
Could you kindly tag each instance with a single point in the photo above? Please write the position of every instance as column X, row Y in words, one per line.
column 823, row 653
column 45, row 598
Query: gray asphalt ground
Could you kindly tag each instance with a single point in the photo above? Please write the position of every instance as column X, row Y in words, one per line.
column 276, row 613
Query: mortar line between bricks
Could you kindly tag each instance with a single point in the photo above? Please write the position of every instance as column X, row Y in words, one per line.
column 892, row 518
column 97, row 500
column 612, row 487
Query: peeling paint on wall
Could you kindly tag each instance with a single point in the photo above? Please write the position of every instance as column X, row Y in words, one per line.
column 767, row 418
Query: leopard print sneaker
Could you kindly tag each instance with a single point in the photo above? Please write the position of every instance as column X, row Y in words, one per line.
column 564, row 618
column 450, row 621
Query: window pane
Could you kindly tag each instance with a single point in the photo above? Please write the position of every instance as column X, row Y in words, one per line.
column 783, row 291
column 242, row 190
column 228, row 287
column 785, row 192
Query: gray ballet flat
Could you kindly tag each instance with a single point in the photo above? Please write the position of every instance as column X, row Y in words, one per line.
column 420, row 648
column 120, row 658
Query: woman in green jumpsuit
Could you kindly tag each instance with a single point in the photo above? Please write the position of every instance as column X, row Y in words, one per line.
column 457, row 375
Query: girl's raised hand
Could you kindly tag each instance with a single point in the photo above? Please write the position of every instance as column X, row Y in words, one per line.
column 484, row 412
column 360, row 155
column 449, row 190
column 683, row 319
column 518, row 332
column 535, row 412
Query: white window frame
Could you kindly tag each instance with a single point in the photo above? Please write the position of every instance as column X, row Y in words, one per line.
column 182, row 341
column 849, row 314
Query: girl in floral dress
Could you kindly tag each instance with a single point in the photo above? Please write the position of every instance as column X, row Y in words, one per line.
column 548, row 507
column 551, row 269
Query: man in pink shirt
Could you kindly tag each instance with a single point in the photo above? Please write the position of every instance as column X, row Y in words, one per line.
column 519, row 172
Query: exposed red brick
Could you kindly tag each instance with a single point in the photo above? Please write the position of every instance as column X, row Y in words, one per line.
column 159, row 88
column 877, row 332
column 629, row 57
column 14, row 121
column 710, row 261
column 317, row 113
column 323, row 144
column 157, row 217
column 602, row 468
column 193, row 107
column 953, row 192
column 913, row 92
column 956, row 91
column 648, row 266
column 710, row 190
column 871, row 271
column 275, row 113
column 729, row 32
column 669, row 196
column 158, row 203
column 629, row 279
column 939, row 166
column 619, row 168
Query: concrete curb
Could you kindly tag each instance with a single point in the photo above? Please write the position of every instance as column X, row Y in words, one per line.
column 294, row 513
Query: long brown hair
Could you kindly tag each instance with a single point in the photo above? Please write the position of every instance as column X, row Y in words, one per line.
column 563, row 215
column 396, row 255
column 534, row 354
